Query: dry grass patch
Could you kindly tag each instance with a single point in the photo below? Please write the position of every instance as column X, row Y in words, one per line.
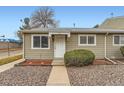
column 9, row 59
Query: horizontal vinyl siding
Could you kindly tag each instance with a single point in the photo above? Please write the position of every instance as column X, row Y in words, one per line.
column 72, row 43
column 37, row 53
column 112, row 51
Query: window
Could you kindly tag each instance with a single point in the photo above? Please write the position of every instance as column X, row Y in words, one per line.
column 118, row 39
column 41, row 42
column 122, row 39
column 83, row 40
column 91, row 40
column 44, row 42
column 36, row 41
column 87, row 40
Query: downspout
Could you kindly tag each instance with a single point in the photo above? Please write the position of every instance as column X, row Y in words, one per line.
column 105, row 44
column 23, row 46
column 105, row 51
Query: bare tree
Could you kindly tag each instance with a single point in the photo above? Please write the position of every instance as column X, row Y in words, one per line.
column 43, row 17
column 25, row 25
column 96, row 26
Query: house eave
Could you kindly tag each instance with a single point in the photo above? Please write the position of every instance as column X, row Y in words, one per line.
column 72, row 30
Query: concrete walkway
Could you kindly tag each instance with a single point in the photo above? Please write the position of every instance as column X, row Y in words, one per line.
column 9, row 65
column 58, row 77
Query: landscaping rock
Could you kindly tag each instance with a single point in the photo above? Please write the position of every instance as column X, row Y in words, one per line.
column 25, row 76
column 97, row 75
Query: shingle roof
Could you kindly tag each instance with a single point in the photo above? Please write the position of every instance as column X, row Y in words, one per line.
column 73, row 30
column 113, row 23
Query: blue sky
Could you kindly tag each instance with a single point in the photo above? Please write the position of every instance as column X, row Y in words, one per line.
column 83, row 17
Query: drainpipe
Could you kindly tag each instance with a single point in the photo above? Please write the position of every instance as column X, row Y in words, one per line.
column 105, row 49
column 105, row 44
column 23, row 46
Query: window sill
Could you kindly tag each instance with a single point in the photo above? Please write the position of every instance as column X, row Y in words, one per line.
column 40, row 48
column 118, row 44
column 87, row 45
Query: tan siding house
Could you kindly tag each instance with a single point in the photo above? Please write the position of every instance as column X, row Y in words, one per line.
column 113, row 51
column 36, row 53
column 113, row 23
column 98, row 49
column 51, row 43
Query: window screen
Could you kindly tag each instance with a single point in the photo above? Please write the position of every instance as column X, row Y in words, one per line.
column 83, row 40
column 122, row 39
column 116, row 39
column 90, row 39
column 44, row 41
column 36, row 41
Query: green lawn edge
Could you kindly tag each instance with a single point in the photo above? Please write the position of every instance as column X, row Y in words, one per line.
column 9, row 59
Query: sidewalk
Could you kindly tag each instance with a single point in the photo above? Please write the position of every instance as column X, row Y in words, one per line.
column 9, row 65
column 58, row 76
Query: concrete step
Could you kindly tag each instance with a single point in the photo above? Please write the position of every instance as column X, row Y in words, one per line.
column 58, row 62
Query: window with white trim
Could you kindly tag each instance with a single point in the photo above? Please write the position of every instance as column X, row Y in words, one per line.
column 118, row 39
column 87, row 39
column 40, row 41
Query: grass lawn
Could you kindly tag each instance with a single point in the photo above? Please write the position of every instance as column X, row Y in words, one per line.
column 9, row 59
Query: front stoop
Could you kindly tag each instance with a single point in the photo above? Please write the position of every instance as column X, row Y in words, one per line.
column 58, row 62
column 58, row 77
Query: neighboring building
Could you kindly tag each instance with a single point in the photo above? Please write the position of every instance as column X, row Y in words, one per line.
column 113, row 23
column 52, row 43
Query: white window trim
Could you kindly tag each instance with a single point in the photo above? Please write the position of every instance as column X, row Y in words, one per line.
column 87, row 40
column 39, row 35
column 119, row 41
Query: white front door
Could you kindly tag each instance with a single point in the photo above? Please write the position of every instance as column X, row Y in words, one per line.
column 59, row 46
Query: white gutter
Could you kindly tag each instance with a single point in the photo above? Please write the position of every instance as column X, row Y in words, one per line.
column 105, row 49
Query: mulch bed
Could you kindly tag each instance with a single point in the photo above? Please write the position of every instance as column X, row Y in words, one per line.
column 101, row 62
column 40, row 62
column 35, row 62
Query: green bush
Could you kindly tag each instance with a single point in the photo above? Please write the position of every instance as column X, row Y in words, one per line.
column 122, row 50
column 79, row 57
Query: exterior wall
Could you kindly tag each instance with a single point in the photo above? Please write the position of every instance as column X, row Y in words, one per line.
column 72, row 43
column 112, row 51
column 36, row 53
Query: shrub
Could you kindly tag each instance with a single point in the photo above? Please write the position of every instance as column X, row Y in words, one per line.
column 122, row 50
column 79, row 57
